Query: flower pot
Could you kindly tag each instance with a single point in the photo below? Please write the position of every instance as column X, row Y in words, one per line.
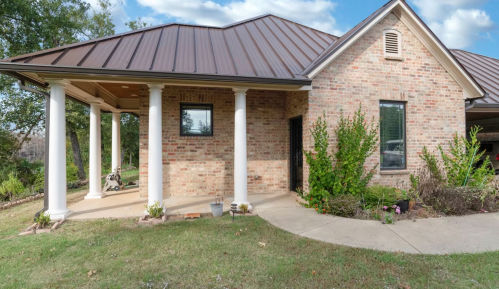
column 404, row 206
column 217, row 210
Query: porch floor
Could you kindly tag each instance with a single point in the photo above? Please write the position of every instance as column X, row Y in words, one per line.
column 127, row 203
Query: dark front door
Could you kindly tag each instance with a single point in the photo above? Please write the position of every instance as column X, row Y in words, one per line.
column 296, row 153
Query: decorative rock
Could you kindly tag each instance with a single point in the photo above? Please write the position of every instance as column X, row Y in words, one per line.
column 192, row 216
column 249, row 214
column 163, row 218
column 54, row 226
column 26, row 233
column 30, row 227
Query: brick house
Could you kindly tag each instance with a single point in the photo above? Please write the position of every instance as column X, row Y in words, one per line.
column 227, row 110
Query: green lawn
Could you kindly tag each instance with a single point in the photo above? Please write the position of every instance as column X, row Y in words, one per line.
column 207, row 253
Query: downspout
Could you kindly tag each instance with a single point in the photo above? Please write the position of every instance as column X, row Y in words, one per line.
column 22, row 86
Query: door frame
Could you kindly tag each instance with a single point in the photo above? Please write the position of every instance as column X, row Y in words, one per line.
column 292, row 168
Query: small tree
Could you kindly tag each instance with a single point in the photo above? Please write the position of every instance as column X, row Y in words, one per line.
column 357, row 141
column 461, row 165
column 11, row 187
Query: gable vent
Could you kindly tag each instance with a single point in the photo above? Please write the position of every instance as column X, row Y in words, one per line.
column 392, row 44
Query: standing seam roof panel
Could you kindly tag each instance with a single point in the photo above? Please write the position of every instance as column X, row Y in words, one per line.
column 204, row 54
column 310, row 52
column 75, row 55
column 223, row 59
column 260, row 64
column 123, row 53
column 45, row 59
column 289, row 59
column 166, row 51
column 100, row 53
column 315, row 37
column 275, row 61
column 185, row 61
column 318, row 48
column 145, row 52
column 286, row 42
column 243, row 64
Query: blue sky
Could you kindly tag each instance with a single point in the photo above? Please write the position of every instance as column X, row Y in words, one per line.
column 471, row 25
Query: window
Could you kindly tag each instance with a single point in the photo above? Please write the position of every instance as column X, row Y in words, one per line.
column 196, row 119
column 392, row 135
column 392, row 43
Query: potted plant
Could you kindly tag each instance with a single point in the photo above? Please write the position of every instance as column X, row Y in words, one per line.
column 403, row 202
column 217, row 207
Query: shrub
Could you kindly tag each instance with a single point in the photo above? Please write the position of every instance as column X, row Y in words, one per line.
column 458, row 201
column 460, row 167
column 244, row 208
column 71, row 173
column 11, row 187
column 155, row 210
column 343, row 205
column 382, row 195
column 43, row 219
column 357, row 141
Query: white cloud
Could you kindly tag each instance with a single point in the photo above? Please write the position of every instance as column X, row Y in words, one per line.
column 118, row 13
column 458, row 23
column 313, row 13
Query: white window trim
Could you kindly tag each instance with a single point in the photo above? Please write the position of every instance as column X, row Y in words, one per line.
column 399, row 40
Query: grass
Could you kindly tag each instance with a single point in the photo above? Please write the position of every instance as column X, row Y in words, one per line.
column 214, row 253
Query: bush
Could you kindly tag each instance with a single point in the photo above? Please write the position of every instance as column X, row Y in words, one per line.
column 155, row 210
column 11, row 187
column 343, row 205
column 382, row 195
column 43, row 219
column 357, row 141
column 458, row 201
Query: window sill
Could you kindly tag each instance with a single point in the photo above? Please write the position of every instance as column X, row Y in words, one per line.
column 395, row 172
column 200, row 137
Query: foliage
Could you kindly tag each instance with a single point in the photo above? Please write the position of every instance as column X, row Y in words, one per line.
column 11, row 187
column 461, row 165
column 155, row 210
column 137, row 24
column 130, row 138
column 244, row 208
column 389, row 218
column 43, row 219
column 343, row 205
column 357, row 141
column 71, row 173
column 432, row 163
column 321, row 177
column 459, row 200
column 100, row 24
column 383, row 195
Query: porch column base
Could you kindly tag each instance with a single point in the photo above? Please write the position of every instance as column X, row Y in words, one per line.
column 60, row 215
column 91, row 196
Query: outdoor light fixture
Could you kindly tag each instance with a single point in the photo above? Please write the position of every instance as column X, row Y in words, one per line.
column 233, row 209
column 124, row 86
column 133, row 94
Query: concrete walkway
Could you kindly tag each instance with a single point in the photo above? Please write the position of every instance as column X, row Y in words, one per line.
column 468, row 234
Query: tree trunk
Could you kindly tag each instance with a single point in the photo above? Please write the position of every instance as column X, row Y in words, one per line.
column 130, row 158
column 75, row 145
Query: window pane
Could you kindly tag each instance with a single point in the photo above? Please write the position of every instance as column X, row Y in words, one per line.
column 392, row 135
column 196, row 120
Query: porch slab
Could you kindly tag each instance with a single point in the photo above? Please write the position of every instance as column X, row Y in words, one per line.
column 127, row 204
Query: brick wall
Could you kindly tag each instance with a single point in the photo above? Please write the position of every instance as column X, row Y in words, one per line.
column 361, row 75
column 204, row 165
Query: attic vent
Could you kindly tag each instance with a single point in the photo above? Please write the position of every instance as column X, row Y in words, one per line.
column 392, row 44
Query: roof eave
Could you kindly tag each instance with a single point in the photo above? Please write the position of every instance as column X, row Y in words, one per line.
column 36, row 68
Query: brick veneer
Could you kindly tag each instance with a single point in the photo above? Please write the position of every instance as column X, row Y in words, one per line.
column 204, row 165
column 361, row 75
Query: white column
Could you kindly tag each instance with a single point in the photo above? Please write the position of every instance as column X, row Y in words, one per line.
column 240, row 152
column 57, row 150
column 94, row 174
column 116, row 141
column 155, row 168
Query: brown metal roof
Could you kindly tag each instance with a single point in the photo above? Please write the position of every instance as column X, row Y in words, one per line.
column 485, row 70
column 265, row 47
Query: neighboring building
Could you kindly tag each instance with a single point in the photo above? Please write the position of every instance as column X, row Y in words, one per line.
column 228, row 109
